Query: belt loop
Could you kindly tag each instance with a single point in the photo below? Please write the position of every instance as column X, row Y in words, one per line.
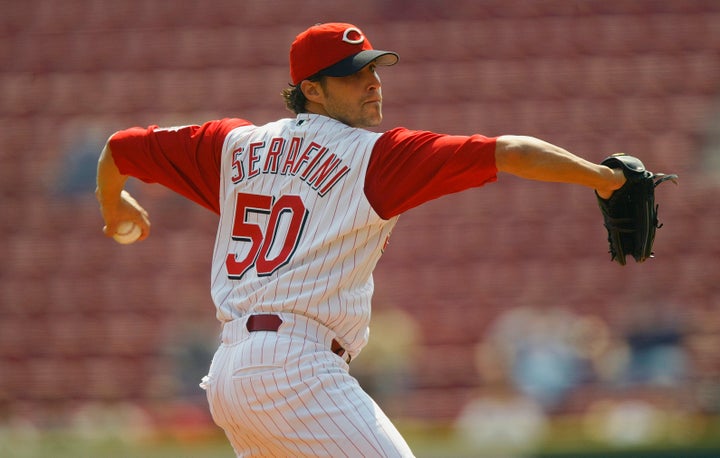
column 338, row 349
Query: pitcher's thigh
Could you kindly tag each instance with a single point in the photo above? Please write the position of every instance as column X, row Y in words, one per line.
column 330, row 415
column 312, row 407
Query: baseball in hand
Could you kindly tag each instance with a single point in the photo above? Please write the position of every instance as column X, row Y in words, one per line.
column 127, row 232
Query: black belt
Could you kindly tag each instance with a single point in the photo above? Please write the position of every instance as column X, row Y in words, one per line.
column 269, row 322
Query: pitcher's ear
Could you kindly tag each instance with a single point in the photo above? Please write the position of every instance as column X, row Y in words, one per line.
column 311, row 90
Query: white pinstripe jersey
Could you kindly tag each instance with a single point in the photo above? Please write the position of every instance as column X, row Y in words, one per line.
column 296, row 232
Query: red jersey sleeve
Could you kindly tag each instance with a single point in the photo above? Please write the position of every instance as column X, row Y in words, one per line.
column 408, row 168
column 185, row 159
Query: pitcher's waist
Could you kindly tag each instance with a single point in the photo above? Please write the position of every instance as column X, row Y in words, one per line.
column 285, row 323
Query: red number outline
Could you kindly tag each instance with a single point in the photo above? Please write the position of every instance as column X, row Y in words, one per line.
column 263, row 239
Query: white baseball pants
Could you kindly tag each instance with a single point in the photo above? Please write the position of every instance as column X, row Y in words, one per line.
column 285, row 394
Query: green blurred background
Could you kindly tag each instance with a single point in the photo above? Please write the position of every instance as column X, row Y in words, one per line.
column 500, row 326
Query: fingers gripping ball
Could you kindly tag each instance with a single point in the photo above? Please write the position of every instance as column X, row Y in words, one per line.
column 631, row 214
column 127, row 232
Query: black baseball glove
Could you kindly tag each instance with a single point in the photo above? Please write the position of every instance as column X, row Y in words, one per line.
column 630, row 214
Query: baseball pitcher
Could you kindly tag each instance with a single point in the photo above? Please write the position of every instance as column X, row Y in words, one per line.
column 306, row 206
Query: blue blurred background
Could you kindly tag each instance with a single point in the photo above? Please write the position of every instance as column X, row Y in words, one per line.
column 498, row 316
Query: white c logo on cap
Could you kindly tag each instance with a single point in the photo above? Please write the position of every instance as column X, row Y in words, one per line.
column 355, row 32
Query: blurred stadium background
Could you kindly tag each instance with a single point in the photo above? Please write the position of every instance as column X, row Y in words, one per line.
column 500, row 326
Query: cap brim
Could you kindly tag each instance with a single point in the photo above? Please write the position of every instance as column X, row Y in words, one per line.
column 355, row 63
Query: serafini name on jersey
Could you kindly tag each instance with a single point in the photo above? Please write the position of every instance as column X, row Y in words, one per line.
column 315, row 164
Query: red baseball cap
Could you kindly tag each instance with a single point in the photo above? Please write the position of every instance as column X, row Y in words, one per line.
column 333, row 49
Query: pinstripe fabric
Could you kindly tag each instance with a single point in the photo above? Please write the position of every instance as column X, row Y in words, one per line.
column 283, row 394
column 296, row 237
column 329, row 276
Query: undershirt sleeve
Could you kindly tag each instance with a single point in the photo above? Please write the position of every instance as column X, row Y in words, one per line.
column 184, row 159
column 408, row 168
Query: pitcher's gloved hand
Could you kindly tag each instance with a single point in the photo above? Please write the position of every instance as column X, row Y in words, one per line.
column 630, row 214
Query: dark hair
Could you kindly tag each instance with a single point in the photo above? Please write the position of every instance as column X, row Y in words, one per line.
column 295, row 100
